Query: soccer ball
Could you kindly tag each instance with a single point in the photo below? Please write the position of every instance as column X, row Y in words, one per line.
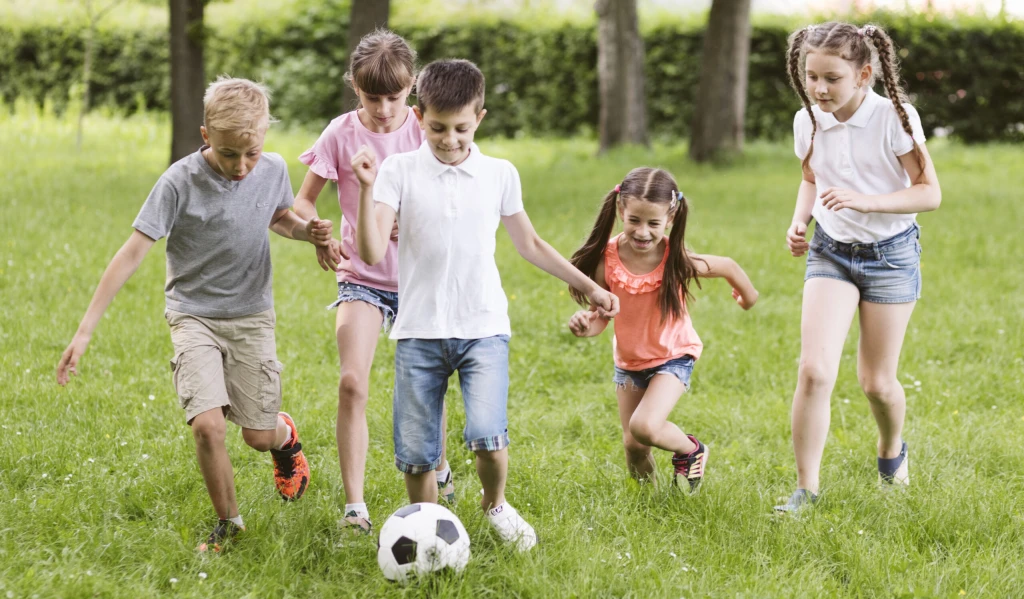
column 421, row 538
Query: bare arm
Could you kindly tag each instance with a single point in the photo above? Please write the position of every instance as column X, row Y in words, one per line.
column 292, row 226
column 924, row 194
column 122, row 266
column 374, row 221
column 796, row 236
column 710, row 267
column 588, row 323
column 538, row 252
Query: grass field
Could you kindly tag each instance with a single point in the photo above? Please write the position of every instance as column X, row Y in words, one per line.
column 102, row 496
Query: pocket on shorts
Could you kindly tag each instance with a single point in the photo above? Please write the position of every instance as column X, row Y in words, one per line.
column 184, row 379
column 902, row 257
column 270, row 385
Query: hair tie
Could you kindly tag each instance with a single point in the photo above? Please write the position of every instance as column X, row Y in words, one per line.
column 617, row 189
column 867, row 30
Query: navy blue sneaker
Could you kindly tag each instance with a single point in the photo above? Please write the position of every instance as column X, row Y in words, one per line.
column 895, row 471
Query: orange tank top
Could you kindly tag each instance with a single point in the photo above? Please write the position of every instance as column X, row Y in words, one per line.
column 641, row 339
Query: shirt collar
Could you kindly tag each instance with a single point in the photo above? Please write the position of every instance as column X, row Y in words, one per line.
column 472, row 165
column 827, row 120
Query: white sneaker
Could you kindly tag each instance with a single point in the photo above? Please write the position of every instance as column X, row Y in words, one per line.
column 511, row 527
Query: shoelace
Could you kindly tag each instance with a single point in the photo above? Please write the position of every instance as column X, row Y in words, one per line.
column 286, row 462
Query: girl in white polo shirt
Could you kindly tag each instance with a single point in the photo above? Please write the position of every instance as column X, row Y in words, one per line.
column 866, row 174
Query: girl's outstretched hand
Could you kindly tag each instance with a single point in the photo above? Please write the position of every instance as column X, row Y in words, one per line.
column 364, row 165
column 607, row 303
column 69, row 359
column 836, row 199
column 745, row 301
column 796, row 239
column 579, row 324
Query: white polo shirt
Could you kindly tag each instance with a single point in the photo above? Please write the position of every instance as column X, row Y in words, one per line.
column 448, row 282
column 861, row 154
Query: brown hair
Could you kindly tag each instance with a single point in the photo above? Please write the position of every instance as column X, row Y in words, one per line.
column 238, row 106
column 449, row 86
column 382, row 64
column 854, row 45
column 650, row 185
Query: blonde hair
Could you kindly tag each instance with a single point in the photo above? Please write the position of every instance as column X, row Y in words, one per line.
column 238, row 106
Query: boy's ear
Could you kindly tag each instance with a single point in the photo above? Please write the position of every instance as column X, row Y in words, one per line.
column 480, row 117
column 206, row 138
column 419, row 115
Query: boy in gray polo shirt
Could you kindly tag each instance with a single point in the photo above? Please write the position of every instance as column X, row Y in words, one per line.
column 214, row 207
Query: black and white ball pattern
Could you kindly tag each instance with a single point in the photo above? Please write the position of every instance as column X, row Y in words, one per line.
column 421, row 538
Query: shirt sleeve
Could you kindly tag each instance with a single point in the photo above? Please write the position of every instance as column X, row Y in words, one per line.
column 512, row 194
column 156, row 217
column 901, row 142
column 287, row 197
column 387, row 189
column 322, row 158
column 801, row 133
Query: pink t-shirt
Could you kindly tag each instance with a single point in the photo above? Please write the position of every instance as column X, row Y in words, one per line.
column 641, row 340
column 331, row 157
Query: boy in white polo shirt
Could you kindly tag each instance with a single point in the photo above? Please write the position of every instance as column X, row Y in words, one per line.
column 448, row 198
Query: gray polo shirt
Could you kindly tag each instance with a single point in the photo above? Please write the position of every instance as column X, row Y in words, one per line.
column 218, row 245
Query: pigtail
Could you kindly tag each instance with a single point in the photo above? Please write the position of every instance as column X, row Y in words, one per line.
column 590, row 254
column 796, row 44
column 680, row 269
column 890, row 77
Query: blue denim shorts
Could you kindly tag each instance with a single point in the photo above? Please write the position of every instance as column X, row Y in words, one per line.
column 422, row 369
column 886, row 272
column 681, row 368
column 385, row 301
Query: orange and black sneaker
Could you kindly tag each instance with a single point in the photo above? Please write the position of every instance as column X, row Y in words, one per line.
column 219, row 538
column 291, row 470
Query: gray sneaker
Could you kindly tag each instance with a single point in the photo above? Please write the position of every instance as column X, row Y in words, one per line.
column 800, row 500
column 446, row 490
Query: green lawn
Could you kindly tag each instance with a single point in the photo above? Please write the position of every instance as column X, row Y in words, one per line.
column 102, row 496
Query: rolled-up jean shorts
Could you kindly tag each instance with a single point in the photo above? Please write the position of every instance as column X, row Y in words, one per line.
column 385, row 301
column 227, row 363
column 422, row 369
column 681, row 368
column 885, row 272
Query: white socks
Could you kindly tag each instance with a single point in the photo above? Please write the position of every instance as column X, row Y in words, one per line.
column 358, row 508
column 442, row 475
column 238, row 521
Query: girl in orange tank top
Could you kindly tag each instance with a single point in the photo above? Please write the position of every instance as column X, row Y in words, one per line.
column 650, row 270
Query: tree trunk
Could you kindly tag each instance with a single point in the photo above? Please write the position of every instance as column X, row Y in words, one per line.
column 620, row 69
column 722, row 95
column 188, row 77
column 365, row 16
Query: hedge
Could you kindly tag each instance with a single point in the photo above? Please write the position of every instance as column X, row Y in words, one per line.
column 967, row 78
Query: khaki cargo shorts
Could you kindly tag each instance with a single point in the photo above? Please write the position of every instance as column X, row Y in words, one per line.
column 227, row 363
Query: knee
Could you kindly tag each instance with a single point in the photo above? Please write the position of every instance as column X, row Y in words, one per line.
column 353, row 391
column 635, row 450
column 209, row 432
column 814, row 375
column 643, row 432
column 880, row 390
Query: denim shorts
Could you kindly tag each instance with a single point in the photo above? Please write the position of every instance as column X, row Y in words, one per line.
column 422, row 369
column 886, row 272
column 681, row 368
column 385, row 301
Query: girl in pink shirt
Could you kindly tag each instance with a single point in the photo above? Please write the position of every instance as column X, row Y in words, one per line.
column 655, row 344
column 382, row 72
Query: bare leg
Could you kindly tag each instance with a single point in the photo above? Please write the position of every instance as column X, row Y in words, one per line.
column 209, row 430
column 492, row 468
column 638, row 456
column 649, row 424
column 422, row 488
column 357, row 327
column 828, row 308
column 267, row 440
column 882, row 327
